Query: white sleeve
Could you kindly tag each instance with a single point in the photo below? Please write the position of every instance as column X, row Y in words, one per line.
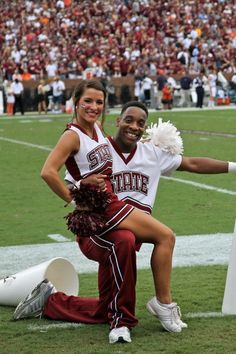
column 173, row 164
column 167, row 161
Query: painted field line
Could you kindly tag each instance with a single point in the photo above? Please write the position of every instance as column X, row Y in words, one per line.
column 203, row 314
column 25, row 121
column 58, row 238
column 194, row 184
column 67, row 325
column 39, row 121
column 200, row 185
column 41, row 147
column 64, row 325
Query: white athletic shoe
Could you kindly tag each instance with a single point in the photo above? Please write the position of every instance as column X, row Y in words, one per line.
column 120, row 335
column 166, row 315
column 33, row 304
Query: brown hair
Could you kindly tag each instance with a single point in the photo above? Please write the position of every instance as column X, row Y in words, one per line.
column 87, row 84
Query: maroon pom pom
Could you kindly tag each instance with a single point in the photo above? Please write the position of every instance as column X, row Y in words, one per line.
column 90, row 198
column 88, row 218
column 85, row 223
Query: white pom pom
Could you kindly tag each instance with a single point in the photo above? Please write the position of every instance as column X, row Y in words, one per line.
column 165, row 136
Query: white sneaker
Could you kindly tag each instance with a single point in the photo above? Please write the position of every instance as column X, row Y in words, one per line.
column 33, row 304
column 166, row 315
column 120, row 335
column 178, row 320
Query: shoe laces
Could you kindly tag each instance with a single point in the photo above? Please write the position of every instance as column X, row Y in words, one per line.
column 170, row 315
column 177, row 312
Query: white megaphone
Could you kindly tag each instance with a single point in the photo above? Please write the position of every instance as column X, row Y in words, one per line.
column 59, row 271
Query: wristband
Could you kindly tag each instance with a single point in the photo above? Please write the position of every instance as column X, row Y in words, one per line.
column 231, row 167
column 73, row 203
column 77, row 184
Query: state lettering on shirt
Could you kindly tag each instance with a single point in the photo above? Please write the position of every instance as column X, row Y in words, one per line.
column 100, row 154
column 130, row 182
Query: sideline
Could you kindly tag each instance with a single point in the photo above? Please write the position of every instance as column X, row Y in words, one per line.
column 192, row 250
column 117, row 109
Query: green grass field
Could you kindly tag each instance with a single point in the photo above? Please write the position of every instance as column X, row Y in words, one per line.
column 29, row 211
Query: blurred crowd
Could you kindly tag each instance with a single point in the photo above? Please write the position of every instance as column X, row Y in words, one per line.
column 73, row 39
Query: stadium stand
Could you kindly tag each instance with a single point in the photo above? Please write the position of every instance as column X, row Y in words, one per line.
column 80, row 39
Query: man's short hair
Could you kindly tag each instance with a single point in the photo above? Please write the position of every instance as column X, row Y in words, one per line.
column 134, row 104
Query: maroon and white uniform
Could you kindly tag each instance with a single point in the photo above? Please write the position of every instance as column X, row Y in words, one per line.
column 135, row 180
column 94, row 157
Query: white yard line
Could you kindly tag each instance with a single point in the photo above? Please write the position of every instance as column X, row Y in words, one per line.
column 62, row 325
column 65, row 325
column 58, row 238
column 203, row 314
column 14, row 141
column 200, row 185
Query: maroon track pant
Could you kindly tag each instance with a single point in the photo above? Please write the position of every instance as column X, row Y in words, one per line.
column 116, row 255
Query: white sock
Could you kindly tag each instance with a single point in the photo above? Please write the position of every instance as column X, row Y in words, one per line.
column 165, row 305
